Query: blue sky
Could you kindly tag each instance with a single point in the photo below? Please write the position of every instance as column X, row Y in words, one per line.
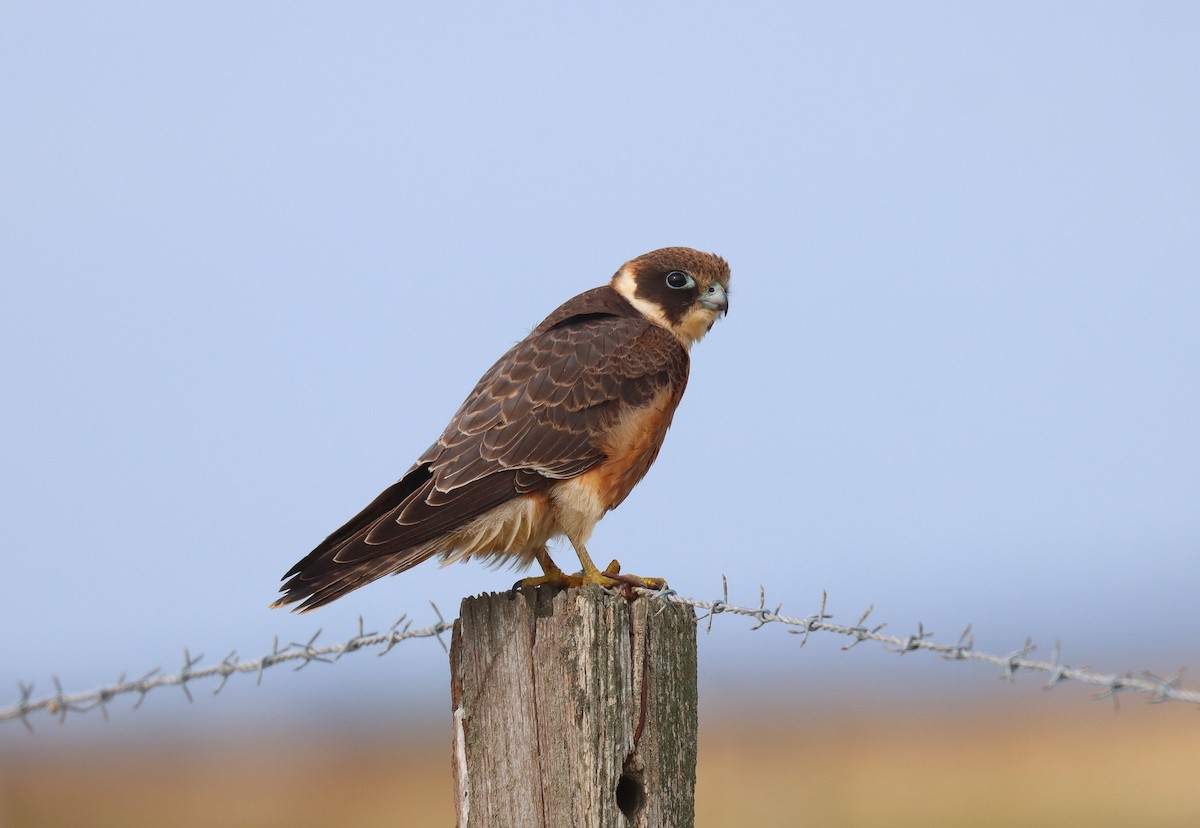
column 255, row 255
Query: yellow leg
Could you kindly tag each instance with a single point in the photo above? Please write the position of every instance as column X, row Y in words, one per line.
column 611, row 576
column 590, row 574
column 551, row 574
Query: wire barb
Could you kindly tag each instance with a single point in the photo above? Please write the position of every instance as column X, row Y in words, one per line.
column 59, row 704
column 1159, row 689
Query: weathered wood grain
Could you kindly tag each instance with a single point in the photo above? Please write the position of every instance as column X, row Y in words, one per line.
column 574, row 708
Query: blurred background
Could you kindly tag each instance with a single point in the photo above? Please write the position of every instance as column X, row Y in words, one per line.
column 255, row 255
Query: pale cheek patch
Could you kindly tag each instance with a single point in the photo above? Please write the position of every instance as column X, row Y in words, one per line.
column 624, row 284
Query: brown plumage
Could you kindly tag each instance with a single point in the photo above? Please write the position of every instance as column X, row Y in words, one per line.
column 554, row 435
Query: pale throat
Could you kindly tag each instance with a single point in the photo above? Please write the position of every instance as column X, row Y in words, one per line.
column 691, row 329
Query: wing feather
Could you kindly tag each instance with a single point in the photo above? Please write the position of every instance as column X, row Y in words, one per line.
column 557, row 394
column 538, row 415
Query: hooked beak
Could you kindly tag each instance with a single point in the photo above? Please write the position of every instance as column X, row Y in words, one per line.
column 716, row 298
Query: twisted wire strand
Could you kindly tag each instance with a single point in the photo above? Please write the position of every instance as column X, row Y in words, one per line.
column 61, row 703
column 1158, row 689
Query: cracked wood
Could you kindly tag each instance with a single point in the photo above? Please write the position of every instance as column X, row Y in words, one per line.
column 573, row 708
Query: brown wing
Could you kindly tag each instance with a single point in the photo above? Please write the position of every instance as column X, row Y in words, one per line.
column 538, row 415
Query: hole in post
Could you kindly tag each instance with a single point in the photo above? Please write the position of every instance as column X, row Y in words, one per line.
column 631, row 796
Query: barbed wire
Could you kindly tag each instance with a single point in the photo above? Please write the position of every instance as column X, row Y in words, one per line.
column 1158, row 688
column 59, row 704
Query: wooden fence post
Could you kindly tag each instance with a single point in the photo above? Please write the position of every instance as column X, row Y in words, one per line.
column 573, row 708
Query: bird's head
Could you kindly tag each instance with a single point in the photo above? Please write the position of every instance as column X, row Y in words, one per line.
column 681, row 289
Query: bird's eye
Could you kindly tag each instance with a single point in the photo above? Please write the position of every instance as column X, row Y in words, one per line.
column 679, row 280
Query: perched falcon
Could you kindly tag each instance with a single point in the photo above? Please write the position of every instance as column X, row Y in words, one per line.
column 553, row 436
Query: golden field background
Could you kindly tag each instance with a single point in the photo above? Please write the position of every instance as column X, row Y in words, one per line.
column 1023, row 758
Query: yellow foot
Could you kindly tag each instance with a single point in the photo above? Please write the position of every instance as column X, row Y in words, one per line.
column 613, row 572
column 610, row 578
